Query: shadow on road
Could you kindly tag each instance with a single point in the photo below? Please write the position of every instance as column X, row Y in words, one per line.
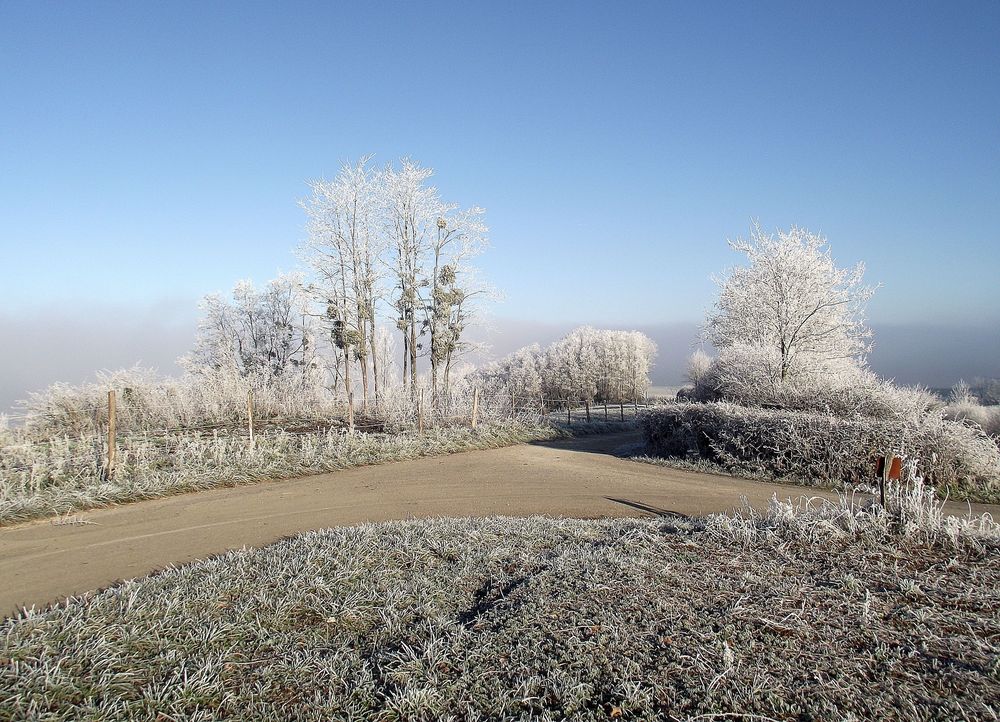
column 609, row 444
column 655, row 511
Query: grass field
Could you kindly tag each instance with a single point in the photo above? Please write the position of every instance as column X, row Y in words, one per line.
column 831, row 612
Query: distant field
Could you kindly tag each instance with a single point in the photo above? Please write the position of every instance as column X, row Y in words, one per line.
column 663, row 391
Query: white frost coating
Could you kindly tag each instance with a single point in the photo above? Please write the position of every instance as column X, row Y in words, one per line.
column 588, row 363
column 382, row 243
column 793, row 304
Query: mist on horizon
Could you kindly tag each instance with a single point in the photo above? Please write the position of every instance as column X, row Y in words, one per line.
column 60, row 347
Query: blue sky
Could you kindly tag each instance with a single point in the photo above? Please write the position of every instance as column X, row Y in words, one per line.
column 150, row 153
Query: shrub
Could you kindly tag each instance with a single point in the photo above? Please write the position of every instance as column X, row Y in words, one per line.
column 749, row 376
column 986, row 417
column 956, row 457
column 588, row 363
column 987, row 391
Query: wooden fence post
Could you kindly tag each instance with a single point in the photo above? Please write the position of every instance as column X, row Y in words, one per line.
column 569, row 413
column 884, row 477
column 250, row 415
column 420, row 412
column 475, row 407
column 621, row 408
column 637, row 407
column 605, row 409
column 112, row 434
column 587, row 402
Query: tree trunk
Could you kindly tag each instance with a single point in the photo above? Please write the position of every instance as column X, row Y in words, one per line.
column 347, row 371
column 336, row 366
column 413, row 355
column 447, row 374
column 435, row 331
column 363, row 360
column 406, row 356
column 374, row 352
column 364, row 382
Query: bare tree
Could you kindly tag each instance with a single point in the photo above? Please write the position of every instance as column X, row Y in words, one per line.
column 264, row 332
column 698, row 365
column 342, row 249
column 384, row 350
column 411, row 209
column 368, row 227
column 461, row 236
column 793, row 301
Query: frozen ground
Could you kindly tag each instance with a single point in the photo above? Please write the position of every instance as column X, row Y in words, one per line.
column 833, row 614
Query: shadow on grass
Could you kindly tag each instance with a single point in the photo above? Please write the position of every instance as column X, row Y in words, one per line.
column 653, row 510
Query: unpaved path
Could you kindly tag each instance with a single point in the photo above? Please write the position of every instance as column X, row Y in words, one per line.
column 41, row 562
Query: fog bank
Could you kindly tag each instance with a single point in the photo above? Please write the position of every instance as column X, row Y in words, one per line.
column 60, row 345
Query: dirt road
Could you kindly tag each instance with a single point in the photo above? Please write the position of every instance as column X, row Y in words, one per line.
column 41, row 562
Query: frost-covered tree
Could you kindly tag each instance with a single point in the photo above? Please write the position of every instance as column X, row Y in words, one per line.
column 461, row 236
column 793, row 301
column 344, row 250
column 588, row 363
column 961, row 393
column 698, row 365
column 986, row 390
column 263, row 332
column 433, row 243
column 411, row 210
column 384, row 356
column 386, row 235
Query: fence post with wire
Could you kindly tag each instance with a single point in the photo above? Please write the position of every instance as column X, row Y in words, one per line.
column 112, row 456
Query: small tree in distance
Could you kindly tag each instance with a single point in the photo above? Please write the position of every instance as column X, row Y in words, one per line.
column 793, row 301
column 698, row 365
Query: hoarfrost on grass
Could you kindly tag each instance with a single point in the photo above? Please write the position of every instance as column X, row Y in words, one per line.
column 809, row 610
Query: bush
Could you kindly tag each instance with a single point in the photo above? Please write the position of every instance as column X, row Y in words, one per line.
column 956, row 457
column 588, row 363
column 749, row 376
column 986, row 417
column 987, row 391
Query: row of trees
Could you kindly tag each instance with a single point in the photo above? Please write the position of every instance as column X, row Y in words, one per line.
column 383, row 250
column 588, row 363
column 384, row 239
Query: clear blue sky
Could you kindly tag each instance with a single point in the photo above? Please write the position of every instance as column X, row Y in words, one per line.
column 150, row 153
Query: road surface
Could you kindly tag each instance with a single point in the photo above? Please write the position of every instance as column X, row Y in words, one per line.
column 42, row 563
